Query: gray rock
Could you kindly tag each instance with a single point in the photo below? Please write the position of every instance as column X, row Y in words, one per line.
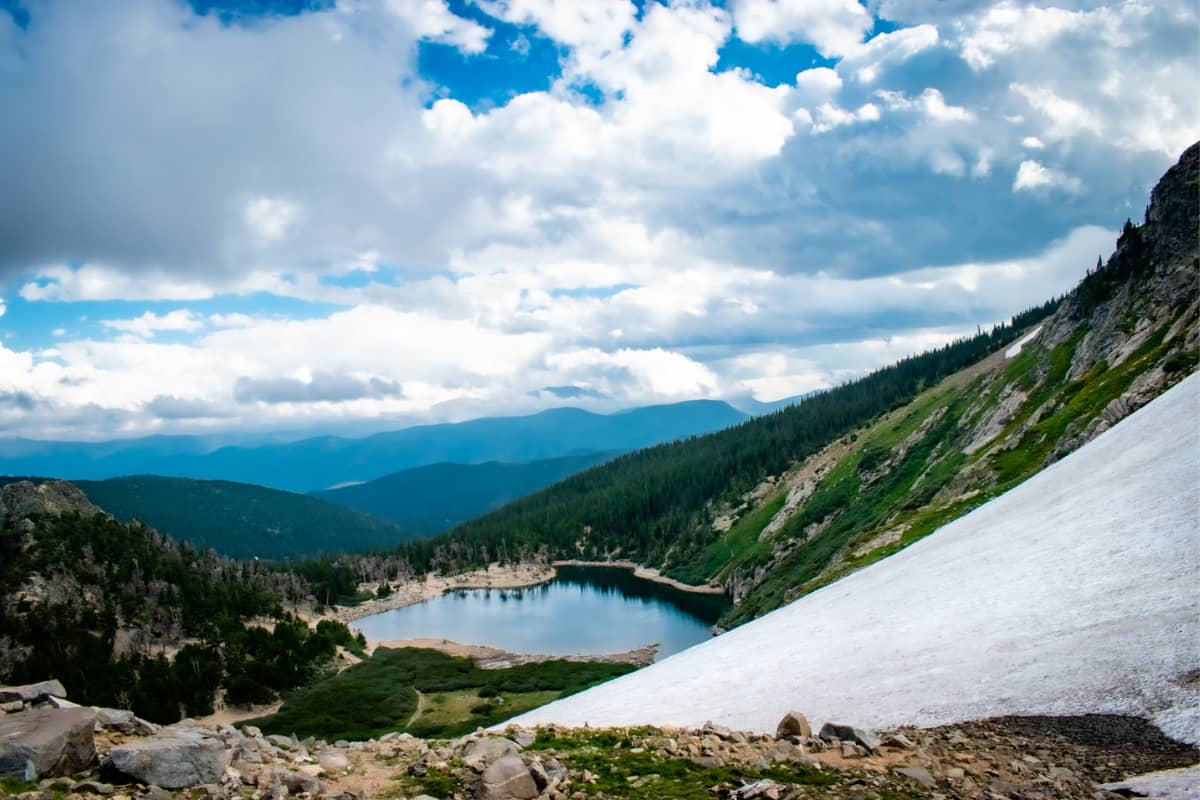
column 12, row 706
column 118, row 719
column 95, row 787
column 333, row 762
column 46, row 741
column 481, row 752
column 32, row 692
column 918, row 774
column 793, row 724
column 899, row 741
column 296, row 781
column 834, row 730
column 506, row 778
column 177, row 758
column 524, row 738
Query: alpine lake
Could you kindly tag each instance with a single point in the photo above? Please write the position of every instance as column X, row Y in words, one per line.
column 583, row 610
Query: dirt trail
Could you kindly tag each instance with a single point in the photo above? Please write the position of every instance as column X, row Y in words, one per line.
column 419, row 710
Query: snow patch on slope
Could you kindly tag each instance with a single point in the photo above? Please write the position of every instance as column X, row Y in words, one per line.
column 1075, row 592
column 1015, row 350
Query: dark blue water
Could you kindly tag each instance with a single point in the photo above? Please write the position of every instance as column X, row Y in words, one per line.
column 583, row 610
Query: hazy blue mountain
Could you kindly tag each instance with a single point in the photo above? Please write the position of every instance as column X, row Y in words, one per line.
column 242, row 520
column 325, row 461
column 429, row 499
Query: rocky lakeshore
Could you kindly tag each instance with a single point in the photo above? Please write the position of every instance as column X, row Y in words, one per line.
column 51, row 748
column 418, row 590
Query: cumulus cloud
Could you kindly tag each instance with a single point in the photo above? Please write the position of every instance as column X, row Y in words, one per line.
column 1032, row 175
column 835, row 27
column 149, row 323
column 653, row 222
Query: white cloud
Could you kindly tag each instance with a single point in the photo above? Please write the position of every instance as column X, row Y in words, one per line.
column 180, row 320
column 930, row 102
column 433, row 20
column 1066, row 118
column 63, row 283
column 595, row 24
column 1033, row 175
column 835, row 27
column 1033, row 143
column 866, row 62
column 817, row 83
column 269, row 217
column 829, row 116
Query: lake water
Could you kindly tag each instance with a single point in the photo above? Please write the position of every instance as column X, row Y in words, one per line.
column 583, row 610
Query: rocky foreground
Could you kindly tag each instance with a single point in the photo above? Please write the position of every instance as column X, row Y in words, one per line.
column 51, row 748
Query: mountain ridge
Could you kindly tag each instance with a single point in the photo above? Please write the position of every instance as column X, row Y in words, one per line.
column 316, row 463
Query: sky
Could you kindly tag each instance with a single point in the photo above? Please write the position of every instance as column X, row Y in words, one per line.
column 248, row 215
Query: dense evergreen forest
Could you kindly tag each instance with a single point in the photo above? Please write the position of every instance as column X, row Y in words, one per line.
column 653, row 506
column 129, row 618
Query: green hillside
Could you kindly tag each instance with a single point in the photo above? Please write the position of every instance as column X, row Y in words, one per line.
column 785, row 503
column 241, row 520
column 428, row 500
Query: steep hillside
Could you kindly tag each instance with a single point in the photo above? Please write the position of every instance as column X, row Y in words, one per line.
column 326, row 461
column 428, row 500
column 240, row 520
column 785, row 503
column 1073, row 593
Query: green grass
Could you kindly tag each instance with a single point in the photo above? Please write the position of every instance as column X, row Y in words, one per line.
column 719, row 557
column 454, row 713
column 379, row 695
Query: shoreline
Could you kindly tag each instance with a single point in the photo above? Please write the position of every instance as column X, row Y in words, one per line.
column 418, row 590
column 645, row 573
column 487, row 657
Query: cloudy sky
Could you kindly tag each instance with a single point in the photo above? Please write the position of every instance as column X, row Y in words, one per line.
column 224, row 215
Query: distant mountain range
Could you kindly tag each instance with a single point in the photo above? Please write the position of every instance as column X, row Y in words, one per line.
column 326, row 461
column 430, row 499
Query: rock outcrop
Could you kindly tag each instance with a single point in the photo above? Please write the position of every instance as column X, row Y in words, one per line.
column 23, row 499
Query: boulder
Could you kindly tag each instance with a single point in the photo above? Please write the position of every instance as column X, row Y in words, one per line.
column 333, row 762
column 46, row 741
column 481, row 752
column 32, row 692
column 849, row 733
column 793, row 724
column 177, row 758
column 118, row 719
column 295, row 781
column 506, row 778
column 920, row 775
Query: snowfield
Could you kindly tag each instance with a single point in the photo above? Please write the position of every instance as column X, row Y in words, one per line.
column 1077, row 591
column 1016, row 349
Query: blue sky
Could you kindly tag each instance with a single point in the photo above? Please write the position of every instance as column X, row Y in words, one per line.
column 439, row 209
